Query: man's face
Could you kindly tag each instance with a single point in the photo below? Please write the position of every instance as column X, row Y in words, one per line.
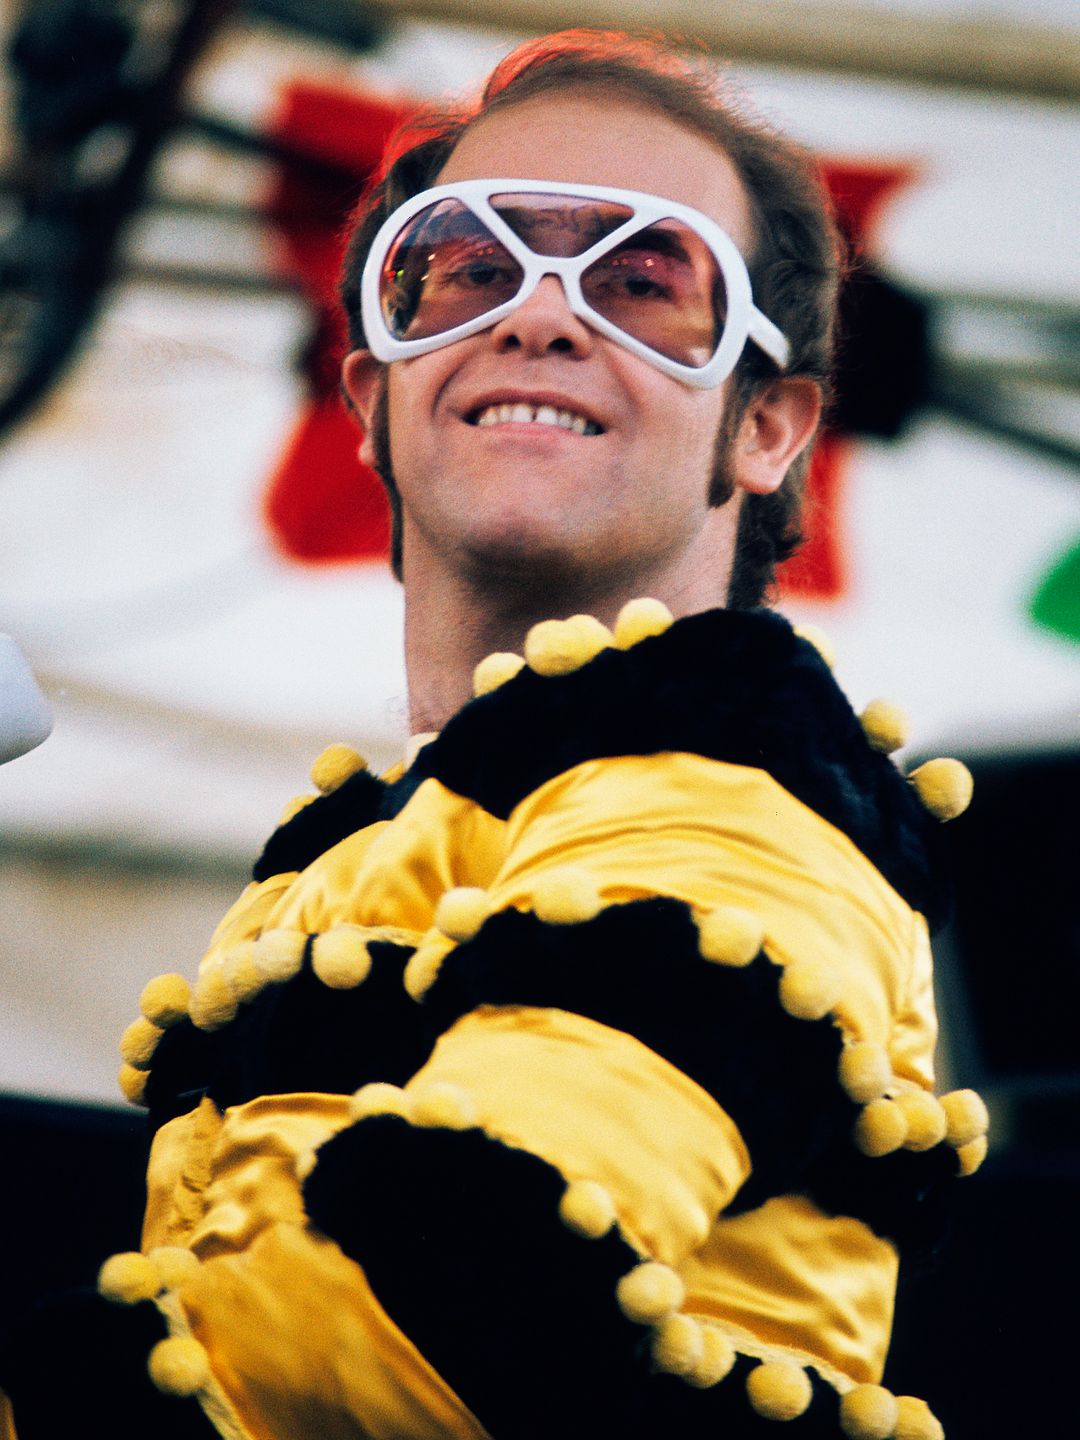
column 519, row 499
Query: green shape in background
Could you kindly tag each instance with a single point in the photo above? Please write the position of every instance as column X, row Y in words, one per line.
column 1056, row 602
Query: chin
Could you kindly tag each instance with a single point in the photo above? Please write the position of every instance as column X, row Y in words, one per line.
column 532, row 558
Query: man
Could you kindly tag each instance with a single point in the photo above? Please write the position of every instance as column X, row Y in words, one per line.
column 575, row 1078
column 496, row 522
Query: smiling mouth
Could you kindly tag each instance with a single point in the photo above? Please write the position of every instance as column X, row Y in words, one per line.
column 520, row 413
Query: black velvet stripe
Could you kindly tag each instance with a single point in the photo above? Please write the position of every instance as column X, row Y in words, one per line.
column 731, row 686
column 461, row 1241
column 184, row 1063
column 637, row 968
column 321, row 824
column 906, row 1196
column 77, row 1367
column 303, row 1035
column 296, row 1036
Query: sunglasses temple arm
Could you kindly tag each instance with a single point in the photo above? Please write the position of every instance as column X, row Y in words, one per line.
column 768, row 338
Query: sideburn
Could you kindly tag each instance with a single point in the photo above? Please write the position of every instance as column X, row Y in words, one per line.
column 383, row 467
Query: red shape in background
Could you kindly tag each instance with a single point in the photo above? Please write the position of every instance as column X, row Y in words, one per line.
column 322, row 504
column 817, row 571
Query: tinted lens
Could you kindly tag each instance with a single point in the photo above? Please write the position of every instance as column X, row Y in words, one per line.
column 663, row 286
column 444, row 269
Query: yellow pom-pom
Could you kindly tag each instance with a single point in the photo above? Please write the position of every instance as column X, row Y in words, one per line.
column 132, row 1084
column 379, row 1098
column 424, row 964
column 865, row 1071
column 461, row 911
column 556, row 647
column 815, row 636
column 926, row 1123
column 138, row 1043
column 174, row 1265
column 566, row 896
column 241, row 972
column 808, row 989
column 869, row 1412
column 966, row 1117
column 587, row 1208
column 442, row 1106
column 639, row 619
column 916, row 1421
column 128, row 1278
column 334, row 766
column 729, row 935
column 279, row 954
column 592, row 634
column 340, row 957
column 885, row 726
column 944, row 787
column 179, row 1365
column 164, row 1000
column 495, row 670
column 678, row 1345
column 972, row 1155
column 213, row 1000
column 881, row 1128
column 779, row 1390
column 718, row 1356
column 650, row 1293
column 293, row 808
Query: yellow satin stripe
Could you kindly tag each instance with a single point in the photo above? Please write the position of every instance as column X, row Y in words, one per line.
column 247, row 914
column 790, row 1276
column 7, row 1419
column 599, row 1105
column 714, row 834
column 303, row 1350
column 216, row 1181
column 178, row 1174
column 215, row 1404
column 299, row 1346
column 915, row 1026
column 393, row 873
column 254, row 1182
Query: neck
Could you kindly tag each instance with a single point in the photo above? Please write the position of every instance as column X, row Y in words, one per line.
column 453, row 619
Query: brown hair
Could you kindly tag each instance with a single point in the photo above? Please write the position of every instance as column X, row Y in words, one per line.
column 794, row 265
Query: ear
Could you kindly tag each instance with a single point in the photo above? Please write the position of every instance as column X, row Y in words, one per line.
column 777, row 425
column 361, row 376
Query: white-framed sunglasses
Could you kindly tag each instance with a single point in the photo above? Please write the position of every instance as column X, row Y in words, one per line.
column 660, row 279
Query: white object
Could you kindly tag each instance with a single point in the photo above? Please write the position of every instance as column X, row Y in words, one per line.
column 25, row 717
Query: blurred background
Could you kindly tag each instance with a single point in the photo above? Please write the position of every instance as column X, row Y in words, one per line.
column 191, row 557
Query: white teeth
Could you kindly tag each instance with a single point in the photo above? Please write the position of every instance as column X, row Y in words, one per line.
column 523, row 414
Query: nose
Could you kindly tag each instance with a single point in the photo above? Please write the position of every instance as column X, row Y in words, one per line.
column 544, row 324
